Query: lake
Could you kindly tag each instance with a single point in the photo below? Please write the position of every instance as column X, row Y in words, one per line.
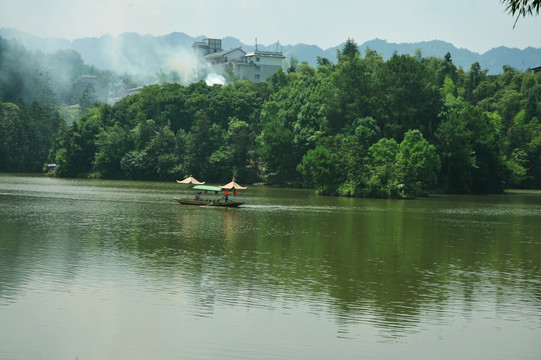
column 94, row 269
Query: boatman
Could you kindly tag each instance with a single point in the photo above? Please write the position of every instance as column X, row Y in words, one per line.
column 226, row 195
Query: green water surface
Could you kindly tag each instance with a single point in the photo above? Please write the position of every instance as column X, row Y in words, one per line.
column 118, row 270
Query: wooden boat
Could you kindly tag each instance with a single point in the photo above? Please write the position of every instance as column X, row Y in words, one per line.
column 219, row 201
column 209, row 203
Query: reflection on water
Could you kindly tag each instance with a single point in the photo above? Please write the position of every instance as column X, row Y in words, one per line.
column 116, row 269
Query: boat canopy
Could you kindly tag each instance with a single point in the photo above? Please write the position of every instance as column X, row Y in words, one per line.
column 233, row 185
column 190, row 180
column 207, row 187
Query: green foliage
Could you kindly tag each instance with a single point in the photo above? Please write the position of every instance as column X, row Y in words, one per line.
column 275, row 146
column 470, row 144
column 455, row 145
column 380, row 180
column 88, row 98
column 409, row 98
column 349, row 51
column 522, row 7
column 363, row 127
column 417, row 164
column 135, row 164
column 318, row 167
column 49, row 79
column 111, row 145
column 26, row 135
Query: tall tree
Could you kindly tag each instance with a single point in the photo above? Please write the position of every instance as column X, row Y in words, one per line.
column 407, row 97
column 88, row 98
column 382, row 162
column 349, row 51
column 318, row 168
column 417, row 163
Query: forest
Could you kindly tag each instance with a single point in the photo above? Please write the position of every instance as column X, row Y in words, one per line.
column 359, row 126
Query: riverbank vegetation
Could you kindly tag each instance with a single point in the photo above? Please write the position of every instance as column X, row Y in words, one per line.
column 361, row 127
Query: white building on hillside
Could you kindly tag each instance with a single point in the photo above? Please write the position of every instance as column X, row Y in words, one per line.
column 225, row 56
column 207, row 46
column 255, row 66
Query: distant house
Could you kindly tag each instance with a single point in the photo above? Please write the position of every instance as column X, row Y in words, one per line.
column 226, row 56
column 258, row 65
column 536, row 69
column 207, row 46
column 123, row 92
column 255, row 66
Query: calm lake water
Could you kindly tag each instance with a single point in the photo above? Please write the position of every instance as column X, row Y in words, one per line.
column 119, row 270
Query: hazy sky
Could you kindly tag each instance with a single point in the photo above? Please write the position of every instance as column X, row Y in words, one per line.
column 478, row 25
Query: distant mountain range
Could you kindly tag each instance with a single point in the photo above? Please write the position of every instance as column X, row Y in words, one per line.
column 139, row 54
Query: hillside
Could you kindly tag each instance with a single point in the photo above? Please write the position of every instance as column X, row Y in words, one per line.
column 146, row 54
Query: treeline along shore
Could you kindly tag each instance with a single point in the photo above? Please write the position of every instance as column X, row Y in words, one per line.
column 360, row 126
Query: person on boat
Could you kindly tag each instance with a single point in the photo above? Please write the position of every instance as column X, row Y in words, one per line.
column 226, row 195
column 196, row 196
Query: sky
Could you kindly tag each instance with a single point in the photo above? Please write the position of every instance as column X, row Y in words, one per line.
column 477, row 25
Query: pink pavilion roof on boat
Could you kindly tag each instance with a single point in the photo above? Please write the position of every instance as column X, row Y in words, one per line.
column 233, row 185
column 190, row 180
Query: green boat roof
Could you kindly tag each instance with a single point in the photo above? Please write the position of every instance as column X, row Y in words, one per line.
column 207, row 187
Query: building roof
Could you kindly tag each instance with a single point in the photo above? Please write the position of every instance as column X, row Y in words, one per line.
column 223, row 53
column 266, row 53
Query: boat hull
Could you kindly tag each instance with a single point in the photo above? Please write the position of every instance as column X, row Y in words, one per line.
column 209, row 203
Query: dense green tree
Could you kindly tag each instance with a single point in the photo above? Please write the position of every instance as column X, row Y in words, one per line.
column 349, row 94
column 407, row 97
column 524, row 139
column 471, row 149
column 454, row 139
column 11, row 136
column 279, row 79
column 202, row 141
column 291, row 124
column 322, row 61
column 380, row 180
column 508, row 105
column 26, row 134
column 240, row 143
column 417, row 164
column 43, row 123
column 442, row 69
column 357, row 155
column 474, row 77
column 349, row 51
column 136, row 165
column 143, row 133
column 275, row 146
column 76, row 152
column 311, row 118
column 335, row 127
column 318, row 168
column 111, row 145
column 293, row 63
column 532, row 108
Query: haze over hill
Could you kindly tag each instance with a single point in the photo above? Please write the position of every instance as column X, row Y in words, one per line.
column 147, row 54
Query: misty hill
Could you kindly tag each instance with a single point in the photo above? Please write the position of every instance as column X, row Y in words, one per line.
column 493, row 60
column 133, row 53
column 57, row 77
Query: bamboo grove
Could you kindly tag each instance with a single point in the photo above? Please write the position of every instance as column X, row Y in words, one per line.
column 361, row 127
